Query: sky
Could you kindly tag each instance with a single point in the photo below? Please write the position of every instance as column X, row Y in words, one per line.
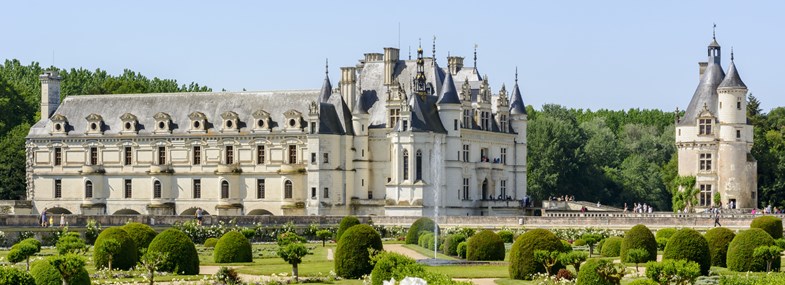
column 579, row 54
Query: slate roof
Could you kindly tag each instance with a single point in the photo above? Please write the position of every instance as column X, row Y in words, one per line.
column 732, row 79
column 516, row 105
column 424, row 116
column 449, row 93
column 705, row 94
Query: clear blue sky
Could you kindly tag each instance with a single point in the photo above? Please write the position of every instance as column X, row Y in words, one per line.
column 583, row 54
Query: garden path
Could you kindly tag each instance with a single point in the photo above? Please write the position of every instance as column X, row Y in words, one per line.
column 212, row 269
column 398, row 248
column 330, row 254
column 480, row 281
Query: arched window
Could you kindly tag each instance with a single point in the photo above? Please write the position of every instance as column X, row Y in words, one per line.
column 418, row 165
column 224, row 189
column 485, row 195
column 287, row 189
column 88, row 189
column 405, row 164
column 157, row 189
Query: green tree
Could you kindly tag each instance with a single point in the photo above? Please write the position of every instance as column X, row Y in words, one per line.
column 324, row 235
column 12, row 163
column 547, row 258
column 768, row 254
column 112, row 247
column 69, row 265
column 152, row 261
column 574, row 258
column 676, row 272
column 591, row 240
column 22, row 251
column 70, row 242
column 637, row 256
column 292, row 250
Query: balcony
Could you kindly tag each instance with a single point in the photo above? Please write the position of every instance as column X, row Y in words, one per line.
column 292, row 168
column 161, row 169
column 92, row 169
column 229, row 169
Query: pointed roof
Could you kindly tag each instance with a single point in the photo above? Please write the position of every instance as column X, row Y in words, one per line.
column 732, row 79
column 705, row 94
column 449, row 95
column 517, row 106
column 359, row 107
column 327, row 89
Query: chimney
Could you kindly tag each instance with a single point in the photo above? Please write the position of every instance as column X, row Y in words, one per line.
column 372, row 57
column 456, row 63
column 702, row 66
column 349, row 85
column 50, row 93
column 390, row 59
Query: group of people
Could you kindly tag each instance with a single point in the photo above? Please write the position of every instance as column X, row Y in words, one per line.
column 639, row 208
column 48, row 221
column 562, row 198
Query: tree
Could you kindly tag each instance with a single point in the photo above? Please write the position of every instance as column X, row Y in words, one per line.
column 547, row 258
column 23, row 251
column 13, row 162
column 292, row 250
column 574, row 258
column 686, row 195
column 69, row 265
column 637, row 256
column 767, row 253
column 591, row 240
column 324, row 235
column 151, row 261
column 111, row 247
column 677, row 272
column 70, row 242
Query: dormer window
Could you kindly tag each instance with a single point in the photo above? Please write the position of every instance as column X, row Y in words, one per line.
column 704, row 126
column 261, row 121
column 293, row 120
column 130, row 123
column 59, row 124
column 162, row 123
column 94, row 124
column 198, row 122
column 230, row 122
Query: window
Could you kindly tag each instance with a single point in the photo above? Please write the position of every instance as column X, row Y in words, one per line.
column 485, row 121
column 127, row 189
column 705, row 161
column 260, row 154
column 405, row 164
column 467, row 119
column 287, row 189
column 58, row 188
column 466, row 153
column 370, row 195
column 157, row 189
column 127, row 152
column 418, row 165
column 455, row 124
column 88, row 189
column 465, row 193
column 738, row 105
column 405, row 125
column 229, row 154
column 197, row 155
column 503, row 155
column 738, row 134
column 484, row 154
column 224, row 189
column 326, row 193
column 292, row 154
column 313, row 127
column 326, row 158
column 503, row 189
column 704, row 126
column 58, row 156
column 313, row 192
column 395, row 115
column 161, row 155
column 313, row 158
column 93, row 156
column 704, row 197
column 503, row 123
column 197, row 188
column 260, row 189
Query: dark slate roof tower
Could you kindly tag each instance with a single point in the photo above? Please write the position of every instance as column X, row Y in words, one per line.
column 517, row 106
column 706, row 94
column 449, row 95
column 732, row 79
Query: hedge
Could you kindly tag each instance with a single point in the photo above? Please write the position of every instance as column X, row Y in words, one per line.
column 183, row 258
column 485, row 246
column 210, row 242
column 588, row 274
column 611, row 247
column 770, row 224
column 639, row 237
column 352, row 256
column 451, row 243
column 643, row 282
column 346, row 223
column 741, row 248
column 12, row 276
column 125, row 259
column 719, row 239
column 45, row 273
column 507, row 236
column 689, row 244
column 461, row 250
column 233, row 247
column 665, row 233
column 420, row 225
column 141, row 234
column 578, row 242
column 522, row 264
column 426, row 240
column 393, row 265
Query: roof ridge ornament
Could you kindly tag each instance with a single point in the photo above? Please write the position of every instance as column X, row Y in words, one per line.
column 516, row 75
column 714, row 31
column 475, row 58
column 731, row 53
column 434, row 51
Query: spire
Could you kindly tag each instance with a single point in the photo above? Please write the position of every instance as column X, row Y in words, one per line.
column 517, row 106
column 434, row 50
column 449, row 94
column 327, row 88
column 475, row 58
column 714, row 48
column 732, row 79
column 419, row 79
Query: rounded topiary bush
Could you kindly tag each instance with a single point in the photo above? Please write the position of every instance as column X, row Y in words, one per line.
column 346, row 223
column 507, row 236
column 420, row 225
column 352, row 257
column 522, row 264
column 124, row 259
column 578, row 242
column 639, row 237
column 740, row 251
column 770, row 224
column 461, row 250
column 210, row 242
column 232, row 247
column 665, row 233
column 611, row 247
column 588, row 274
column 451, row 243
column 485, row 245
column 183, row 258
column 10, row 275
column 426, row 240
column 643, row 282
column 690, row 245
column 45, row 273
column 141, row 234
column 719, row 239
column 394, row 266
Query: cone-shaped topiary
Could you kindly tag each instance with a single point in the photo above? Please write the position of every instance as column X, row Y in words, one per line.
column 770, row 224
column 719, row 239
column 485, row 245
column 346, row 223
column 639, row 237
column 690, row 245
column 141, row 234
column 522, row 264
column 740, row 251
column 182, row 256
column 210, row 242
column 588, row 274
column 232, row 247
column 611, row 247
column 125, row 258
column 352, row 256
column 420, row 225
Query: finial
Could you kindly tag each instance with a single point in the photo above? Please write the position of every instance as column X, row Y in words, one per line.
column 448, row 60
column 475, row 56
column 714, row 31
column 326, row 66
column 434, row 47
column 731, row 53
column 410, row 52
column 516, row 75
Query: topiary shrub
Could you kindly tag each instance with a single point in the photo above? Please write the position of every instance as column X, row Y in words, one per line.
column 10, row 275
column 346, row 223
column 611, row 247
column 665, row 233
column 420, row 225
column 45, row 273
column 141, row 234
column 639, row 237
column 688, row 244
column 210, row 242
column 232, row 247
column 352, row 256
column 566, row 246
column 426, row 240
column 451, row 243
column 718, row 240
column 522, row 264
column 391, row 265
column 124, row 259
column 507, row 236
column 770, row 224
column 183, row 258
column 578, row 242
column 589, row 273
column 740, row 251
column 643, row 282
column 484, row 246
column 461, row 250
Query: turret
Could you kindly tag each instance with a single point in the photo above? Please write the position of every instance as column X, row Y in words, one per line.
column 450, row 107
column 327, row 87
column 50, row 93
column 732, row 97
column 518, row 116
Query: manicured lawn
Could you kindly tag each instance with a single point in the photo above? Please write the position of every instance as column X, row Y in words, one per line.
column 472, row 271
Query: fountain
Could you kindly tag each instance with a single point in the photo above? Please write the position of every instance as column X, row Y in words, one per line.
column 436, row 171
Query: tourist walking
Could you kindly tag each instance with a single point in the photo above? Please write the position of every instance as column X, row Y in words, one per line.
column 43, row 218
column 717, row 219
column 199, row 216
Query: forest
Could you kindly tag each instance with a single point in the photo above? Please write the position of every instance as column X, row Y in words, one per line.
column 608, row 156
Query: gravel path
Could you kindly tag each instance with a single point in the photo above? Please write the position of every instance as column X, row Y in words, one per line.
column 398, row 248
column 330, row 254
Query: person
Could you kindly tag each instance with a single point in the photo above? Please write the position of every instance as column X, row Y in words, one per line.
column 717, row 219
column 625, row 207
column 51, row 221
column 598, row 204
column 43, row 218
column 62, row 220
column 199, row 216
